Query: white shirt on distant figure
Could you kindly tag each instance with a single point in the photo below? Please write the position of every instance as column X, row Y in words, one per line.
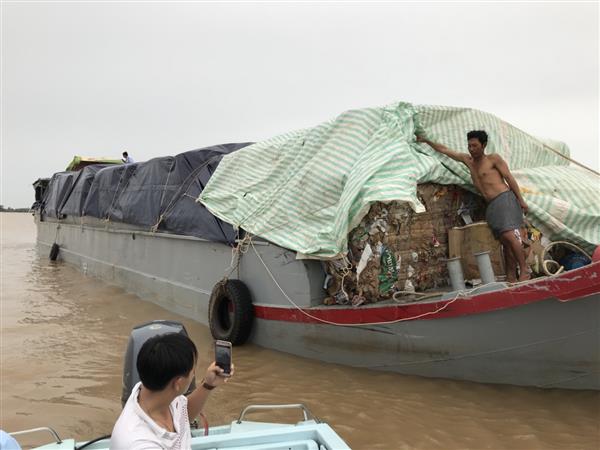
column 135, row 430
column 128, row 160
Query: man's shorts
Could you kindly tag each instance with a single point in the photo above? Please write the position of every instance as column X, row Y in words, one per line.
column 504, row 213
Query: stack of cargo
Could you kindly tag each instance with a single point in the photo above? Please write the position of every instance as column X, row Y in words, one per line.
column 154, row 195
column 394, row 249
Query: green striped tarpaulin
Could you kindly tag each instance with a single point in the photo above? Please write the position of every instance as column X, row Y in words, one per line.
column 305, row 190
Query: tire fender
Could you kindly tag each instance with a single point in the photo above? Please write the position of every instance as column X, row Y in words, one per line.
column 54, row 252
column 230, row 312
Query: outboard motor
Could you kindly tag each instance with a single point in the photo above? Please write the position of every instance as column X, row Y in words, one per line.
column 138, row 336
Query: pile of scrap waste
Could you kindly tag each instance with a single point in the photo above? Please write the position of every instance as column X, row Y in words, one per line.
column 395, row 252
column 394, row 249
column 384, row 213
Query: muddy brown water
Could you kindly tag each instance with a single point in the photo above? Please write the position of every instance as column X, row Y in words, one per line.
column 63, row 336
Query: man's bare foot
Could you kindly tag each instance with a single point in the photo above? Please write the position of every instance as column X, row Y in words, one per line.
column 525, row 276
column 511, row 280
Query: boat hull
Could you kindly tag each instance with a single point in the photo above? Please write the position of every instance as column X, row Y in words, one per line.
column 545, row 344
column 530, row 336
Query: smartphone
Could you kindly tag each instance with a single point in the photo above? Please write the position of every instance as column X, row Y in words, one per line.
column 223, row 356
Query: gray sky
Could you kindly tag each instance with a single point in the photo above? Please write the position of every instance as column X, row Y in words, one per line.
column 161, row 78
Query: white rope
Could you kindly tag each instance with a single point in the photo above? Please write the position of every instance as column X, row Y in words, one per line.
column 456, row 297
column 422, row 295
column 571, row 160
column 345, row 273
column 188, row 181
column 161, row 217
column 162, row 195
column 546, row 146
column 56, row 235
column 236, row 254
column 560, row 268
column 557, row 265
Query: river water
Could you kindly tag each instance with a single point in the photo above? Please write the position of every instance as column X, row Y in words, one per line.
column 63, row 336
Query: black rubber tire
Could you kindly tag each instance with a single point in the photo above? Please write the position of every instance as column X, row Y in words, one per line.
column 54, row 252
column 230, row 312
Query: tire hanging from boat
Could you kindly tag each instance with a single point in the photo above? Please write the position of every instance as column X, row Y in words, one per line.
column 54, row 252
column 230, row 311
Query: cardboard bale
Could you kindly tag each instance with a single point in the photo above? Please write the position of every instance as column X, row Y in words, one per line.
column 408, row 249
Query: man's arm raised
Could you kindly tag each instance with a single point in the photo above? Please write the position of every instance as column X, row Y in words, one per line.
column 212, row 379
column 457, row 156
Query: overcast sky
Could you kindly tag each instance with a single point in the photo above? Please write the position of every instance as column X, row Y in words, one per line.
column 162, row 78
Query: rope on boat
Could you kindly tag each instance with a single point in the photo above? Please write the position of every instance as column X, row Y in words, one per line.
column 164, row 189
column 457, row 295
column 571, row 160
column 328, row 322
column 547, row 147
column 560, row 268
column 107, row 219
column 179, row 194
column 56, row 234
column 154, row 228
column 236, row 255
column 422, row 295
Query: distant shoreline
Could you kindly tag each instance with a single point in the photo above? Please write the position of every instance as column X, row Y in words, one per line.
column 14, row 210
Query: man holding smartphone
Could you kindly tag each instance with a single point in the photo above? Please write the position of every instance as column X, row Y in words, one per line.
column 157, row 413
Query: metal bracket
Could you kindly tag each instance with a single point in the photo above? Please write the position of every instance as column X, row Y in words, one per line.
column 305, row 411
column 34, row 430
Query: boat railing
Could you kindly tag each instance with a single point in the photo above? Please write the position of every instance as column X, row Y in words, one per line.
column 305, row 411
column 35, row 430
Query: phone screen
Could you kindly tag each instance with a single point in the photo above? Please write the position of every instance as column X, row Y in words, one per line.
column 223, row 356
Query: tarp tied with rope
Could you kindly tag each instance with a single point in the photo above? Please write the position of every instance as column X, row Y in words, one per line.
column 305, row 190
column 105, row 190
column 57, row 192
column 73, row 206
column 159, row 194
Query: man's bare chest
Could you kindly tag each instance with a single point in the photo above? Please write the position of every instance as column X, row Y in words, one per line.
column 484, row 171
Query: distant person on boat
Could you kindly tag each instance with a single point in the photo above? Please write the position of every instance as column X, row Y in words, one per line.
column 127, row 159
column 504, row 213
column 157, row 413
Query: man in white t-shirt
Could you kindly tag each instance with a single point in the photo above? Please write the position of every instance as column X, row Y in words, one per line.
column 157, row 414
column 127, row 159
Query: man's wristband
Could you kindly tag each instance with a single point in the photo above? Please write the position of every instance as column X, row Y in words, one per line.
column 208, row 387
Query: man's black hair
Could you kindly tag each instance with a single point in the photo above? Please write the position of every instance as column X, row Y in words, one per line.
column 480, row 135
column 165, row 357
column 125, row 154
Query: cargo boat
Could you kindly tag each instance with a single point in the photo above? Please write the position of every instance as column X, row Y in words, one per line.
column 141, row 226
column 543, row 333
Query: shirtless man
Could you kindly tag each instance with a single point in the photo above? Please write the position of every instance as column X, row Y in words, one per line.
column 504, row 213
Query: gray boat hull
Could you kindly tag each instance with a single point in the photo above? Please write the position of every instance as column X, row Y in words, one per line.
column 544, row 343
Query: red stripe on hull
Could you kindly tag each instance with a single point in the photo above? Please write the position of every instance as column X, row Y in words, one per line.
column 566, row 287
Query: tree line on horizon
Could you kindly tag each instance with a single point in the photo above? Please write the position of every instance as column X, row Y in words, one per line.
column 9, row 209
